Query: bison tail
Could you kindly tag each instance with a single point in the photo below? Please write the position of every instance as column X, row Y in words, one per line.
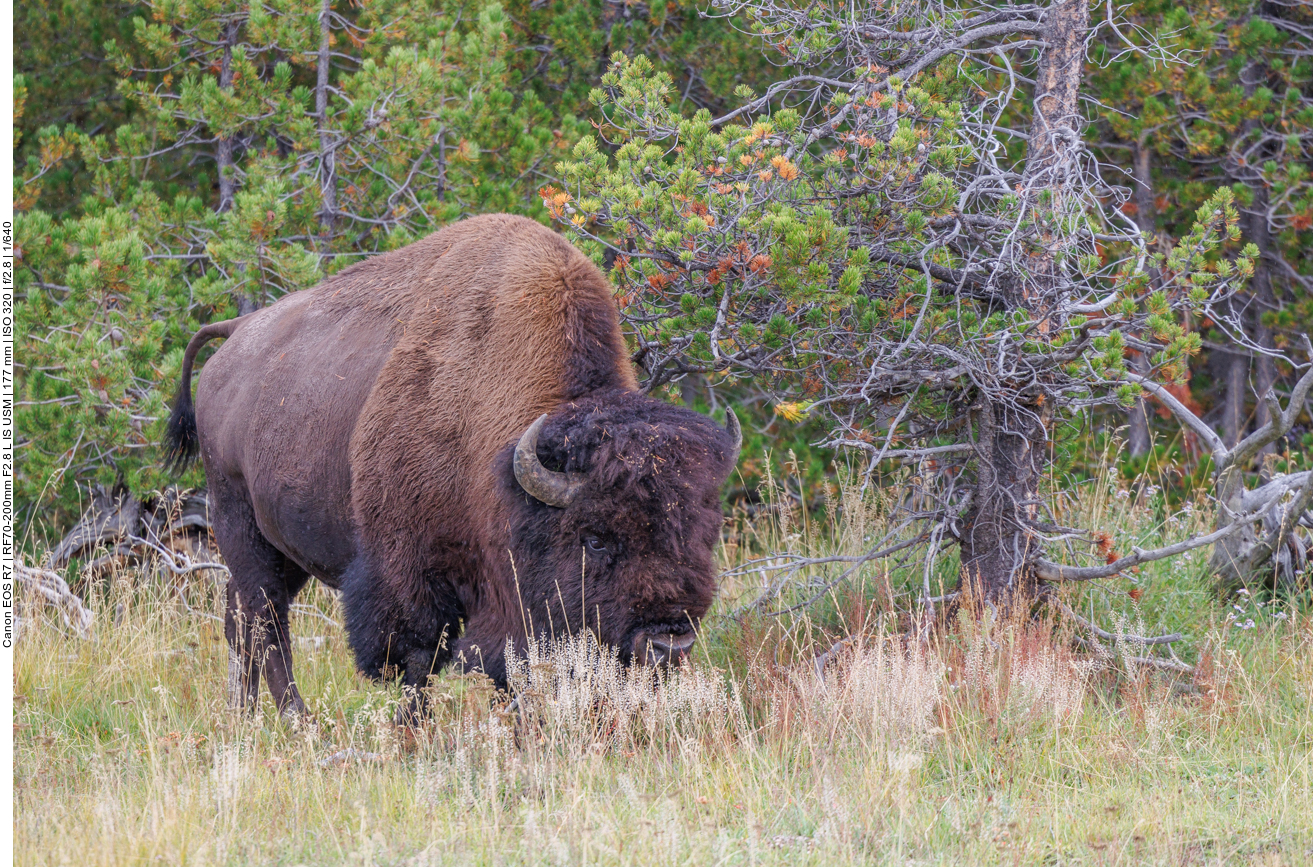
column 181, row 442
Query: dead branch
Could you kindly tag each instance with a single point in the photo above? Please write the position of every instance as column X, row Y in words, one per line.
column 177, row 562
column 823, row 659
column 312, row 611
column 1185, row 416
column 785, row 566
column 796, row 564
column 1241, row 556
column 1158, row 662
column 1050, row 571
column 50, row 589
column 115, row 516
column 1280, row 422
column 1129, row 638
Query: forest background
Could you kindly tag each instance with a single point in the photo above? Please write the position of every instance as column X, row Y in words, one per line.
column 184, row 161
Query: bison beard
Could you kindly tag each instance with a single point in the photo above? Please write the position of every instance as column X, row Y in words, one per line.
column 452, row 434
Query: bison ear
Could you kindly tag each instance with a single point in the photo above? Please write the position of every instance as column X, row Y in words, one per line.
column 735, row 433
column 547, row 486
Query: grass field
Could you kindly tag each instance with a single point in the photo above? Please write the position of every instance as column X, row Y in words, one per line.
column 995, row 743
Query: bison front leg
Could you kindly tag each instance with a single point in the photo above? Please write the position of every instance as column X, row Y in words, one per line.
column 401, row 625
column 419, row 665
column 483, row 649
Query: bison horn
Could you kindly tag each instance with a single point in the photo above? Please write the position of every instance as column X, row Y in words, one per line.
column 553, row 488
column 735, row 433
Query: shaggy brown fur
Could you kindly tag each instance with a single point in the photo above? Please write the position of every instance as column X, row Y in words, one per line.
column 362, row 431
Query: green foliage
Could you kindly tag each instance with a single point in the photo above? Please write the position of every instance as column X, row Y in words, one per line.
column 801, row 250
column 1221, row 93
column 752, row 248
column 93, row 381
column 127, row 116
column 425, row 121
column 60, row 69
column 565, row 46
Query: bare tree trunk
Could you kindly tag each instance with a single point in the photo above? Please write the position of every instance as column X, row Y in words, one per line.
column 1257, row 229
column 1265, row 372
column 1054, row 142
column 999, row 542
column 1237, row 387
column 999, row 545
column 1146, row 212
column 327, row 155
column 690, row 387
column 442, row 164
column 224, row 154
column 1138, row 433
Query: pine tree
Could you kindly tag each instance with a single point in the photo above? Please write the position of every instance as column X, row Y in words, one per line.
column 1135, row 71
column 67, row 84
column 266, row 145
column 1247, row 113
column 863, row 238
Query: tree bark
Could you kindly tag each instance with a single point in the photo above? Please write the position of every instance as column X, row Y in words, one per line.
column 1265, row 372
column 1145, row 213
column 1054, row 135
column 999, row 541
column 1137, row 433
column 1237, row 386
column 224, row 154
column 1257, row 229
column 1054, row 142
column 999, row 544
column 442, row 164
column 327, row 154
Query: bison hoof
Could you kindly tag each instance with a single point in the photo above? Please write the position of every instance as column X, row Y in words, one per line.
column 413, row 711
column 295, row 714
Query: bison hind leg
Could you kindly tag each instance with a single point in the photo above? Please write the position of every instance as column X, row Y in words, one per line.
column 261, row 585
column 260, row 641
column 243, row 662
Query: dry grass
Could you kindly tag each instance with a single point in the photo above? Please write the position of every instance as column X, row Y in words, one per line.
column 994, row 744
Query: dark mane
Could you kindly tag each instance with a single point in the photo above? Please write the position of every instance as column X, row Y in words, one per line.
column 654, row 477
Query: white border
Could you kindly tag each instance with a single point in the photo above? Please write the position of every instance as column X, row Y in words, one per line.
column 7, row 540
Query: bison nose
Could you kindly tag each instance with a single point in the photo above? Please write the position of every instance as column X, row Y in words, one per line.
column 662, row 648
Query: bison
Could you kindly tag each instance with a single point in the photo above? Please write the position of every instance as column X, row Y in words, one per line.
column 451, row 434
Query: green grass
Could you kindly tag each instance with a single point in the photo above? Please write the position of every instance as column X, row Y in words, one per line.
column 996, row 744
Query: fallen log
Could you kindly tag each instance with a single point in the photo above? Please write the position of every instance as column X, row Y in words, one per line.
column 120, row 531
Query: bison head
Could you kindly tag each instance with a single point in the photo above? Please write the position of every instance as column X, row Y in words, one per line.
column 616, row 516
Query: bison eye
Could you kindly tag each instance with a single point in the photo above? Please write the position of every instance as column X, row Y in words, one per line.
column 594, row 545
